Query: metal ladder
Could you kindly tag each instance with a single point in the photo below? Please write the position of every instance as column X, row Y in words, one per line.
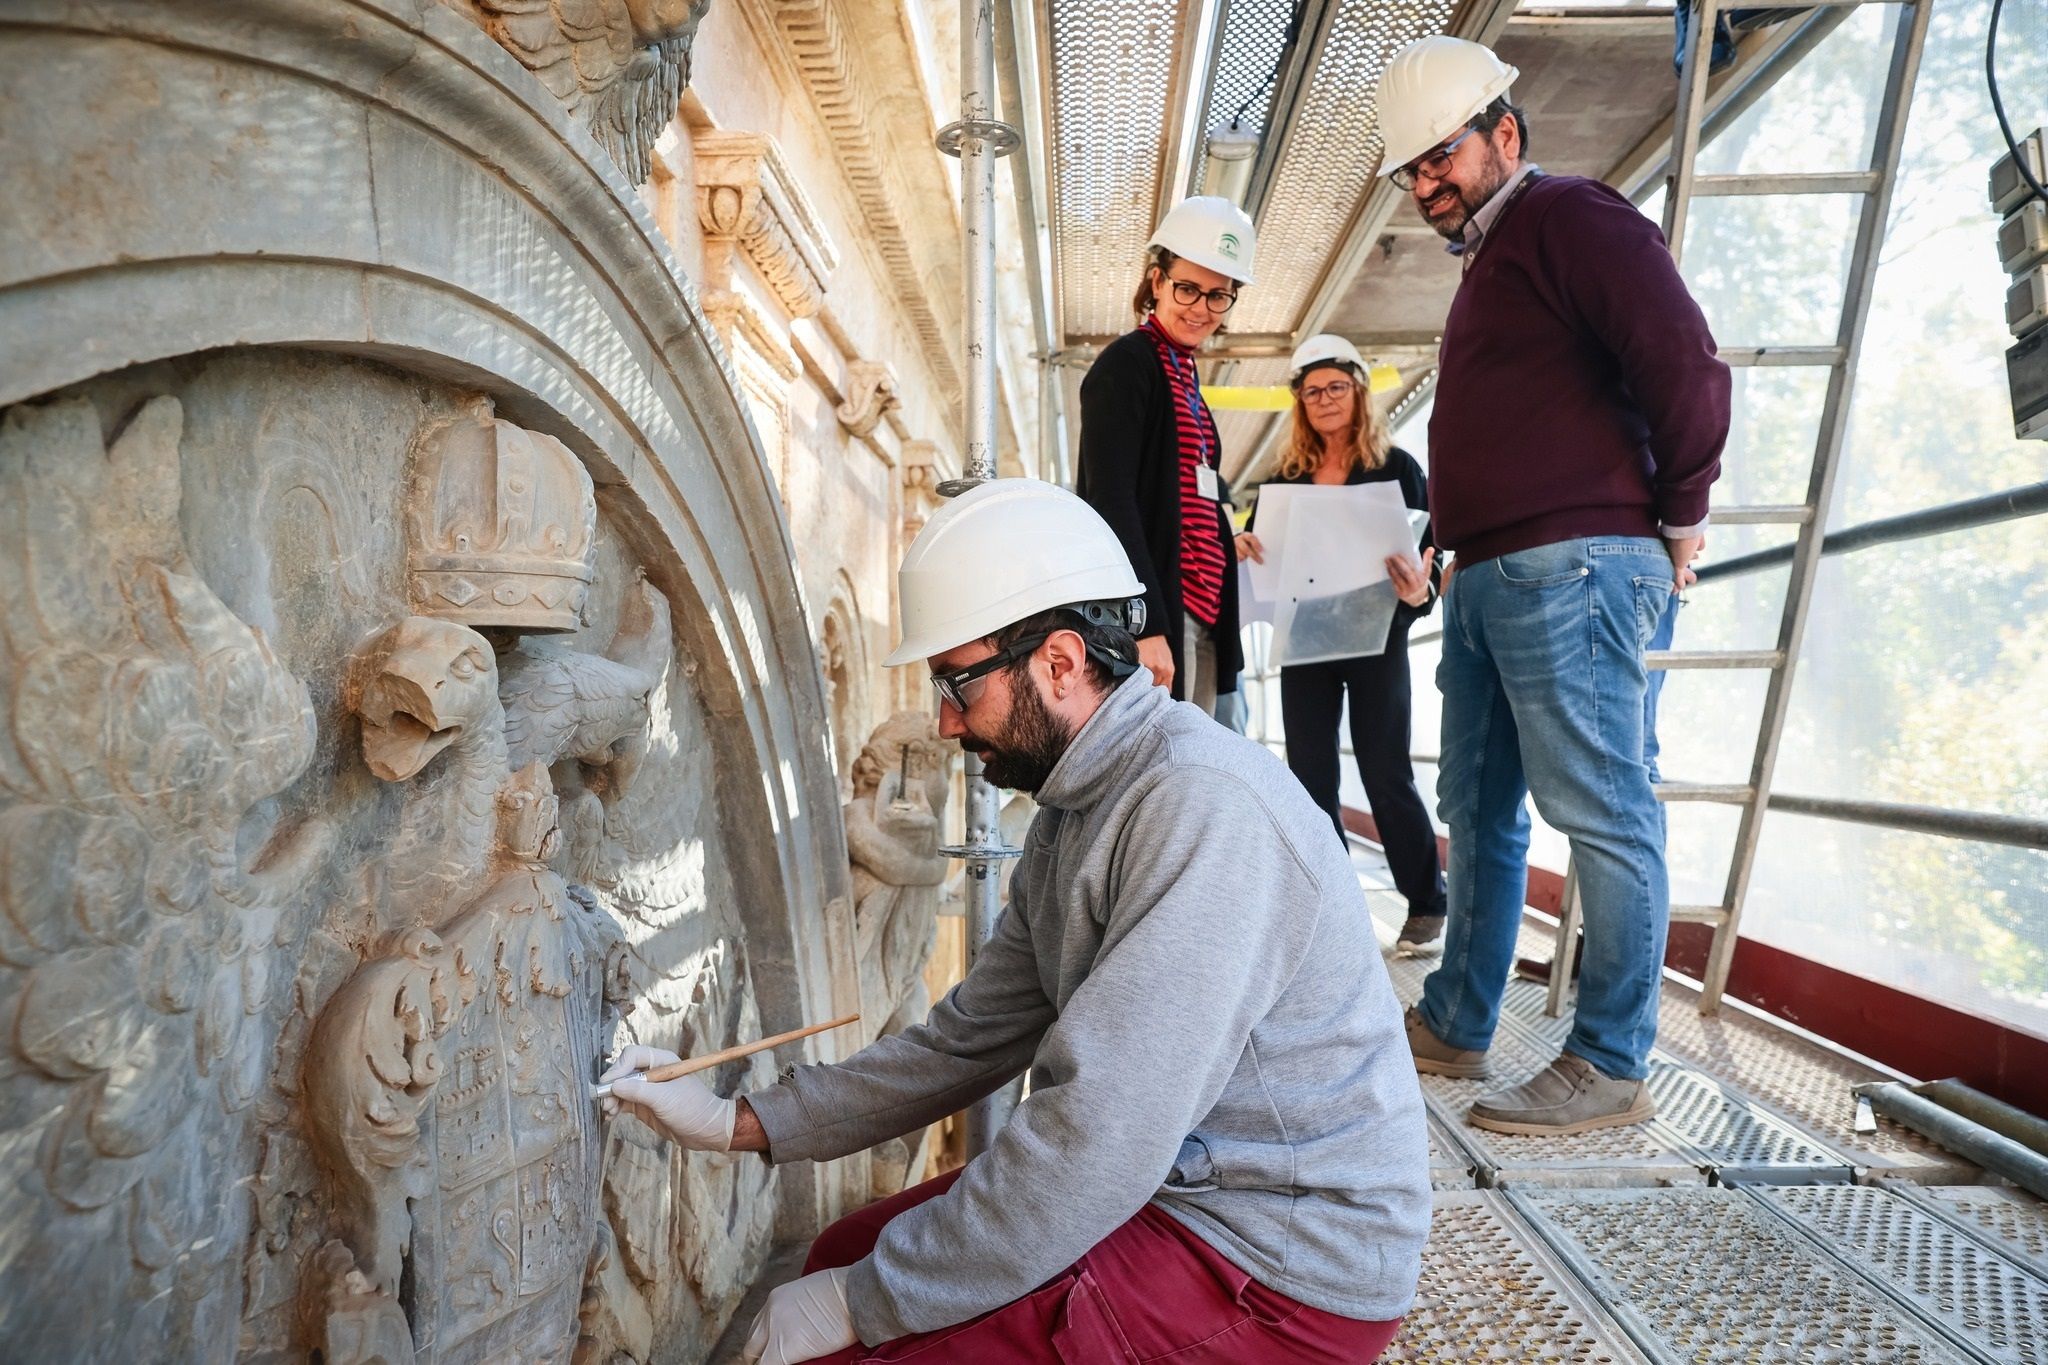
column 1875, row 185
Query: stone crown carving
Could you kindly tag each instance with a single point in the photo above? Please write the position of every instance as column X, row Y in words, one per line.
column 619, row 65
column 747, row 195
column 501, row 526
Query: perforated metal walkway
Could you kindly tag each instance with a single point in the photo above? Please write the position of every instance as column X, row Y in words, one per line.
column 1747, row 1223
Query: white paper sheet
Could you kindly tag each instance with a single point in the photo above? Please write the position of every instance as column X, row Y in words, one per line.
column 1324, row 582
column 1250, row 606
column 1339, row 544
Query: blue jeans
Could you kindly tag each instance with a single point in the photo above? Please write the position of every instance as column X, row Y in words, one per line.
column 1667, row 632
column 1544, row 690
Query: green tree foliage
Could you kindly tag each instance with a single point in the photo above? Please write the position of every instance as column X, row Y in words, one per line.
column 1925, row 664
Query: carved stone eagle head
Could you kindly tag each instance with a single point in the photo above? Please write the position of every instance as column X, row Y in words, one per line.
column 422, row 684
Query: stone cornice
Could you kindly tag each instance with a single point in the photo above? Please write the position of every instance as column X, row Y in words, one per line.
column 736, row 319
column 747, row 195
column 836, row 73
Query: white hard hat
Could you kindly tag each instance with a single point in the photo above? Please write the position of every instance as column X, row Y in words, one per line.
column 1324, row 348
column 1212, row 232
column 1430, row 90
column 1002, row 551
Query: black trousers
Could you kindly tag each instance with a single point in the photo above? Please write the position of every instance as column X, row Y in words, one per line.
column 1311, row 700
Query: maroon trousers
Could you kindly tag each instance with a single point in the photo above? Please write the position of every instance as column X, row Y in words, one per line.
column 1150, row 1291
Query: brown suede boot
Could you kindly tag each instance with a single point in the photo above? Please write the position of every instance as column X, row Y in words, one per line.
column 1421, row 934
column 1435, row 1057
column 1570, row 1095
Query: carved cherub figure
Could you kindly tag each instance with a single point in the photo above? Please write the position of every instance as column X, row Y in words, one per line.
column 892, row 836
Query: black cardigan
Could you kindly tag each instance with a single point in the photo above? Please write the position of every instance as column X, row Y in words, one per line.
column 1401, row 466
column 1130, row 473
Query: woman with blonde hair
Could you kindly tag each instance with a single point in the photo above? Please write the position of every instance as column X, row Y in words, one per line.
column 1338, row 438
column 1150, row 453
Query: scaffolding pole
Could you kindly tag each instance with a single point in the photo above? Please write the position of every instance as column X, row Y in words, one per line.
column 978, row 139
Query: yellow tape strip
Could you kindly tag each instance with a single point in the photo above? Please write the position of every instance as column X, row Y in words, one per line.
column 1278, row 397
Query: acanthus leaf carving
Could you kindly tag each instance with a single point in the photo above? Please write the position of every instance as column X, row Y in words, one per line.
column 748, row 199
column 870, row 396
column 619, row 65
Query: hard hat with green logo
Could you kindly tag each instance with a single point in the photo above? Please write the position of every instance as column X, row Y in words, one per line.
column 1211, row 232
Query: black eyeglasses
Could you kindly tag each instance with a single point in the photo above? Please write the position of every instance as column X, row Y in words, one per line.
column 1432, row 164
column 1336, row 389
column 952, row 687
column 1185, row 292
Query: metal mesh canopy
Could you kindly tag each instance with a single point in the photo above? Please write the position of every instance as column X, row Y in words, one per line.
column 1332, row 150
column 1111, row 68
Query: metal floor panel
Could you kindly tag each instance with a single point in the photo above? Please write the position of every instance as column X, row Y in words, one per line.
column 1702, row 1126
column 1639, row 1155
column 1802, row 1082
column 1746, row 1099
column 2014, row 1219
column 1954, row 1277
column 1795, row 1263
column 1711, row 1276
column 1492, row 1291
column 1451, row 1166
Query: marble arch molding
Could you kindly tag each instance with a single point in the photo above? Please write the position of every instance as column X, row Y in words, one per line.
column 277, row 277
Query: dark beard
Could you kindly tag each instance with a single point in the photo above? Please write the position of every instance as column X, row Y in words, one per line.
column 1470, row 201
column 1036, row 739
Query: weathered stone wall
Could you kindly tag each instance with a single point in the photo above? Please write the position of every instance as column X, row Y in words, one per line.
column 412, row 683
column 802, row 186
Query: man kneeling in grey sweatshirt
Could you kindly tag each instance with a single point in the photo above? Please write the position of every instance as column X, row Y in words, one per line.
column 1222, row 1156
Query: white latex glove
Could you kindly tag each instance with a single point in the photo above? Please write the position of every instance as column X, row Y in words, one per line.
column 684, row 1109
column 803, row 1320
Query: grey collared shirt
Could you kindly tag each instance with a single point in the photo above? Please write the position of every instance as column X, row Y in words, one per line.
column 1481, row 222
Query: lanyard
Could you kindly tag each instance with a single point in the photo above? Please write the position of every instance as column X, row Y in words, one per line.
column 1471, row 257
column 1194, row 405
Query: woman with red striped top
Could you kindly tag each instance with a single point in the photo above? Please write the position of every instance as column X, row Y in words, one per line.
column 1149, row 452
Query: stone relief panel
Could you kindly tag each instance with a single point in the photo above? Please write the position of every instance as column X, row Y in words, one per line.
column 353, row 793
column 143, row 876
column 286, row 759
column 619, row 65
column 893, row 827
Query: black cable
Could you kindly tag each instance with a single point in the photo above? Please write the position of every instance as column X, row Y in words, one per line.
column 1998, row 106
column 1286, row 46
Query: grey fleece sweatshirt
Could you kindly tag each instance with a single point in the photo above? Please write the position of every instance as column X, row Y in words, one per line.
column 1187, row 965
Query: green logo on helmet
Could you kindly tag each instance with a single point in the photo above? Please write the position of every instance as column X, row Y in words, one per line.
column 1227, row 244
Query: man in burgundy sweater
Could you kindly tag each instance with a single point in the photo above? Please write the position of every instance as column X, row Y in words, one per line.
column 1580, row 413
